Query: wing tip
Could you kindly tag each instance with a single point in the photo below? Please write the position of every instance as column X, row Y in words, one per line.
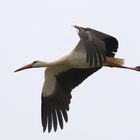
column 44, row 129
column 78, row 27
column 52, row 113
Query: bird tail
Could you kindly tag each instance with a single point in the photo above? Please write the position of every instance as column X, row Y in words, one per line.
column 118, row 61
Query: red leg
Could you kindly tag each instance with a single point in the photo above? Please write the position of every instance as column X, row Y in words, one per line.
column 111, row 64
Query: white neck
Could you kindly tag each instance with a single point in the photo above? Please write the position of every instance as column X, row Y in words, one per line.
column 50, row 64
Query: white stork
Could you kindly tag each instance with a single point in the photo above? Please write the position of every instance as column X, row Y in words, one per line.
column 94, row 50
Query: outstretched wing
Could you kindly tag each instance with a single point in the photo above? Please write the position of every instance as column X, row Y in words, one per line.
column 60, row 81
column 98, row 45
column 56, row 94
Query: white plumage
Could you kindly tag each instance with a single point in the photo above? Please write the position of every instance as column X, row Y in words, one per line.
column 94, row 50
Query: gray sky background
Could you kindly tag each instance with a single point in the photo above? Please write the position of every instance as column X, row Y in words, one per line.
column 104, row 107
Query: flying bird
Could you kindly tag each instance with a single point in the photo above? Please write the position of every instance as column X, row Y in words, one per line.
column 94, row 51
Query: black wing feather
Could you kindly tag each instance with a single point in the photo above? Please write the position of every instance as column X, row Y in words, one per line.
column 65, row 115
column 94, row 54
column 111, row 43
column 54, row 118
column 44, row 113
column 89, row 53
column 99, row 53
column 60, row 119
column 97, row 44
column 55, row 107
column 49, row 116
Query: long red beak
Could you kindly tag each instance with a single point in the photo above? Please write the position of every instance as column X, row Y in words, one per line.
column 24, row 67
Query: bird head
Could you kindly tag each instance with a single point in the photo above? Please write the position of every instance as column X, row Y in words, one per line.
column 34, row 64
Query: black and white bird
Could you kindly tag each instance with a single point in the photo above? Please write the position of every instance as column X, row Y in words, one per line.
column 94, row 50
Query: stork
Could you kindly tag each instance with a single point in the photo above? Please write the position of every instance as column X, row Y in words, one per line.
column 94, row 50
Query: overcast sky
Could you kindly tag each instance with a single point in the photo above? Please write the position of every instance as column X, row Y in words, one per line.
column 104, row 107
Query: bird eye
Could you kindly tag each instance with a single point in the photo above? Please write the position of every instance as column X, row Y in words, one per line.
column 34, row 62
